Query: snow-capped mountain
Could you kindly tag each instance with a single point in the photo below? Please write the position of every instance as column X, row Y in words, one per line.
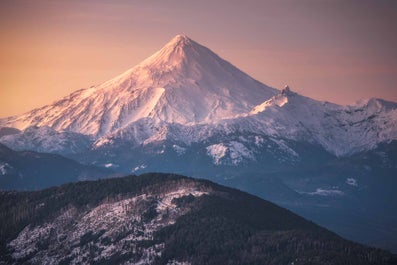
column 186, row 93
column 183, row 83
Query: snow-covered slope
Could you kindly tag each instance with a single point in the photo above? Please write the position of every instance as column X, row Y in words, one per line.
column 341, row 130
column 46, row 139
column 187, row 94
column 183, row 83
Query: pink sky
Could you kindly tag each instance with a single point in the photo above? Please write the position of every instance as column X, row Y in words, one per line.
column 339, row 51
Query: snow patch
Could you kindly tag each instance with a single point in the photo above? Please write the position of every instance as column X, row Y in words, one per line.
column 284, row 147
column 326, row 192
column 166, row 202
column 259, row 141
column 217, row 152
column 238, row 152
column 234, row 150
column 179, row 150
column 351, row 182
column 278, row 100
column 103, row 142
column 4, row 168
column 137, row 168
column 110, row 165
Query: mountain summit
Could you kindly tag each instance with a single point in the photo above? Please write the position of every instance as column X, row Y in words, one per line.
column 183, row 83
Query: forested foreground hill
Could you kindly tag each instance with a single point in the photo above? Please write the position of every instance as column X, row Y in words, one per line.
column 164, row 219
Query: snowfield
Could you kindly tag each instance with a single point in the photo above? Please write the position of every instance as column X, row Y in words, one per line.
column 186, row 94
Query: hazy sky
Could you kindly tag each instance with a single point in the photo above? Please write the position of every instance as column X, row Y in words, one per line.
column 339, row 51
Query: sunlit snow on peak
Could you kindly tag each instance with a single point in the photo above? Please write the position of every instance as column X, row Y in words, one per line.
column 187, row 92
column 182, row 83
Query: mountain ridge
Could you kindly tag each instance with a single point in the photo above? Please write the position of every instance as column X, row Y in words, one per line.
column 185, row 84
column 28, row 170
column 164, row 219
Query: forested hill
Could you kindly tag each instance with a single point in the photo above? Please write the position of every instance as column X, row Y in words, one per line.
column 164, row 219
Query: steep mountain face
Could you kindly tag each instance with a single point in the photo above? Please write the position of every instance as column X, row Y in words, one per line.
column 183, row 83
column 27, row 170
column 186, row 110
column 164, row 219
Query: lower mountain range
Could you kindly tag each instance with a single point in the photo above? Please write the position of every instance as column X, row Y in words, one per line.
column 164, row 219
column 354, row 196
column 28, row 170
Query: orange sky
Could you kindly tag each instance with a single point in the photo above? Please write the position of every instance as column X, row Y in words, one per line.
column 339, row 51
